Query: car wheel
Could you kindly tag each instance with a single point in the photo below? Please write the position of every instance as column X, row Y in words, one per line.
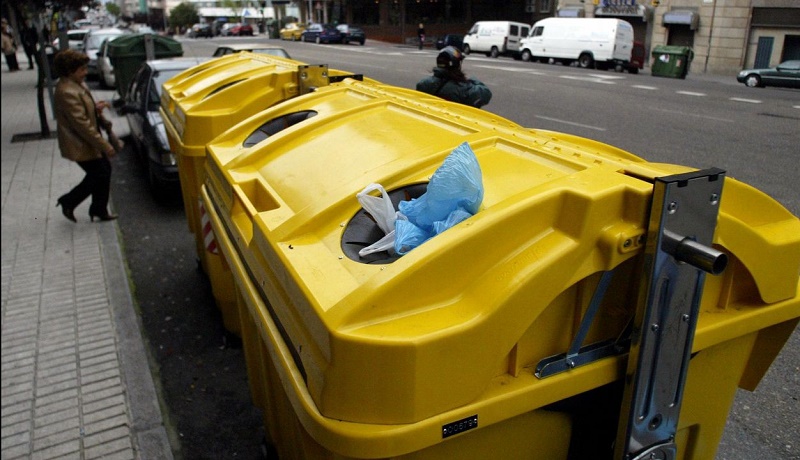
column 362, row 42
column 752, row 81
column 585, row 61
column 467, row 49
column 526, row 55
column 293, row 38
column 494, row 52
column 346, row 41
column 319, row 41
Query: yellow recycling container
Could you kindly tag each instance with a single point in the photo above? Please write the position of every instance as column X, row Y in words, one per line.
column 201, row 103
column 453, row 350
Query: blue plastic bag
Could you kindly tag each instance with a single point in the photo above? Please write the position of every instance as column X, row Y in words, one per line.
column 454, row 193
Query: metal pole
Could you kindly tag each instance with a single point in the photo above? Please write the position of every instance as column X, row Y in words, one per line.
column 710, row 32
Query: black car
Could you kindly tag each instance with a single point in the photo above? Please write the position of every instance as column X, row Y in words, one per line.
column 456, row 40
column 352, row 34
column 201, row 30
column 322, row 33
column 140, row 107
column 786, row 74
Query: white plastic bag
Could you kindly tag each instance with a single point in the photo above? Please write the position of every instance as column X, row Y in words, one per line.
column 382, row 210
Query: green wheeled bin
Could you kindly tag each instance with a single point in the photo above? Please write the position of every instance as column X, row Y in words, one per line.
column 594, row 301
column 671, row 61
column 127, row 53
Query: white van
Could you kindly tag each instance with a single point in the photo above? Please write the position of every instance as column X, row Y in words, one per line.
column 495, row 38
column 591, row 42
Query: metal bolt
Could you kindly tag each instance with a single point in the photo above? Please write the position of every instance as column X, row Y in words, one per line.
column 685, row 317
column 714, row 199
column 672, row 207
column 627, row 243
column 654, row 327
column 570, row 363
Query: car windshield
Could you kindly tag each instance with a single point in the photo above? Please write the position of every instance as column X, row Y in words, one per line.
column 272, row 51
column 160, row 77
column 95, row 40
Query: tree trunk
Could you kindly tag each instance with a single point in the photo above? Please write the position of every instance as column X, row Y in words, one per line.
column 42, row 66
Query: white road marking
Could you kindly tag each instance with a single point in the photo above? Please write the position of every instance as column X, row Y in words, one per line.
column 751, row 101
column 608, row 76
column 691, row 93
column 589, row 78
column 596, row 128
column 511, row 69
column 652, row 88
column 688, row 114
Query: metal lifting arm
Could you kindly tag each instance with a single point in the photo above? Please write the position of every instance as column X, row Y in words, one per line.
column 683, row 218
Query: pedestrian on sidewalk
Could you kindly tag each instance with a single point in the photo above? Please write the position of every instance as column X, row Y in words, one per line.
column 421, row 34
column 9, row 46
column 450, row 83
column 79, row 120
column 30, row 38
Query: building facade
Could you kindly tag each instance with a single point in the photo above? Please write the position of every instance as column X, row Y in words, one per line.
column 725, row 35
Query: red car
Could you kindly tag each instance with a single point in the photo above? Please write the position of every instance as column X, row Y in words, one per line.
column 238, row 29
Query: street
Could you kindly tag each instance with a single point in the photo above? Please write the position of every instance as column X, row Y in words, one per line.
column 703, row 121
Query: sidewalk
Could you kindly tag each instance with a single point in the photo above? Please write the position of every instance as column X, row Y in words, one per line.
column 75, row 378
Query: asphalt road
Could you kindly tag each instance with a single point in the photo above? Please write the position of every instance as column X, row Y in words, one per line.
column 702, row 121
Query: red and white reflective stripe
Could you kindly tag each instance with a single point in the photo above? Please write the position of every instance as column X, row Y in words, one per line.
column 208, row 232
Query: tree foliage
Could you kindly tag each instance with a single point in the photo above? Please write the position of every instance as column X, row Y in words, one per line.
column 183, row 16
column 113, row 9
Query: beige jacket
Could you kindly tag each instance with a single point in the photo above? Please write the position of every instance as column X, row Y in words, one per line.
column 8, row 44
column 79, row 138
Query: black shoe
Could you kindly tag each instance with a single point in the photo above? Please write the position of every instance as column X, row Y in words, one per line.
column 104, row 217
column 68, row 212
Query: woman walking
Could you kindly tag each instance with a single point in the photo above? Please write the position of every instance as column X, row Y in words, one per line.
column 9, row 45
column 79, row 120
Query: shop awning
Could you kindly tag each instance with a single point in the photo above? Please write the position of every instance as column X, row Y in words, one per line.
column 682, row 17
column 572, row 12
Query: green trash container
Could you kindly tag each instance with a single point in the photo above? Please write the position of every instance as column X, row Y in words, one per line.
column 671, row 61
column 128, row 52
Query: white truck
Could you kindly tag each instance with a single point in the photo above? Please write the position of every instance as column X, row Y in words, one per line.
column 591, row 42
column 495, row 38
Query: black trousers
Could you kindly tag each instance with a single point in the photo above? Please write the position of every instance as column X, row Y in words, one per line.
column 11, row 61
column 96, row 183
column 31, row 53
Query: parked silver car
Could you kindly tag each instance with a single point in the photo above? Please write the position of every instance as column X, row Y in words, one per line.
column 105, row 71
column 141, row 107
column 75, row 37
column 92, row 41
